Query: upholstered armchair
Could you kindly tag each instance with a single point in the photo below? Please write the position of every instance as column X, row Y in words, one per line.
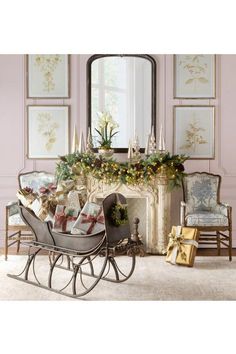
column 202, row 209
column 16, row 229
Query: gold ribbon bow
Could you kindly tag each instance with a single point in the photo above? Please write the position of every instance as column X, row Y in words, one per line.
column 48, row 205
column 176, row 243
column 65, row 188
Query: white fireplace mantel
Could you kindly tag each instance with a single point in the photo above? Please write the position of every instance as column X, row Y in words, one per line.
column 151, row 204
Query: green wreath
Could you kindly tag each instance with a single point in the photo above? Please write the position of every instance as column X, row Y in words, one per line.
column 119, row 214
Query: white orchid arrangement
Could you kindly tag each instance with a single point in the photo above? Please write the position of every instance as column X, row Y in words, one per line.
column 106, row 129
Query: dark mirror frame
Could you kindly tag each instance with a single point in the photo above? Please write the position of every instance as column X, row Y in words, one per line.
column 153, row 65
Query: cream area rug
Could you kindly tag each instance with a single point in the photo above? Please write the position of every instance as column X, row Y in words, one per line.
column 211, row 278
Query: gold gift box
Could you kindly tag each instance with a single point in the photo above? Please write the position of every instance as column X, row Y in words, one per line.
column 180, row 246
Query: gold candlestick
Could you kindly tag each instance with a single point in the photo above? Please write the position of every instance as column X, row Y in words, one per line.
column 152, row 144
column 130, row 152
column 89, row 143
column 136, row 147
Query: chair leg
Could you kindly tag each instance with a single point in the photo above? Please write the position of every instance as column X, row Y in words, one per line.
column 18, row 242
column 6, row 245
column 230, row 245
column 218, row 243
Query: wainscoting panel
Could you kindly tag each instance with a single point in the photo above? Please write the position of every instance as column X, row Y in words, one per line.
column 13, row 132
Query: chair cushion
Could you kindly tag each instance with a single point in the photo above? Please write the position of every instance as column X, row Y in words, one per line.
column 15, row 220
column 13, row 208
column 205, row 218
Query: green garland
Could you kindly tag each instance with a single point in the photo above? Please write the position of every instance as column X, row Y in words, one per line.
column 145, row 171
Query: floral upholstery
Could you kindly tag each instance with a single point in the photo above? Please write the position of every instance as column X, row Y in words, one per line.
column 13, row 214
column 202, row 210
column 201, row 192
column 201, row 201
column 35, row 180
column 15, row 220
column 13, row 208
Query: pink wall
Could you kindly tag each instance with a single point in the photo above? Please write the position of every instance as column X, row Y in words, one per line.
column 13, row 132
column 13, row 122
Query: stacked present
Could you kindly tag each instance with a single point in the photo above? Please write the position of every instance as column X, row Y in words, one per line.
column 66, row 214
column 26, row 196
column 43, row 203
column 44, row 207
column 62, row 206
column 67, row 188
column 90, row 220
column 182, row 246
column 64, row 218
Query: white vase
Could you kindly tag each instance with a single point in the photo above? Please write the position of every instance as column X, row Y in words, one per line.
column 106, row 153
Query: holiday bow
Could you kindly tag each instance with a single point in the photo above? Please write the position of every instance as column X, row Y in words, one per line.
column 60, row 220
column 176, row 243
column 92, row 219
column 64, row 189
column 49, row 189
column 26, row 196
column 26, row 191
column 48, row 203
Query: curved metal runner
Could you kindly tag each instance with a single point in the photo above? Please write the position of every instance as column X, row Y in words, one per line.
column 89, row 258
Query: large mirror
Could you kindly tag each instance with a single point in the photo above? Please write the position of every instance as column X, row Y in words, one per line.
column 124, row 86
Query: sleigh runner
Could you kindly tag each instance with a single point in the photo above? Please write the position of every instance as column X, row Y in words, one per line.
column 88, row 258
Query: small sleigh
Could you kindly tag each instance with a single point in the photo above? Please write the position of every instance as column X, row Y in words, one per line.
column 87, row 259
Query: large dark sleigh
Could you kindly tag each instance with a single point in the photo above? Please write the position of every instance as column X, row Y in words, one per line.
column 87, row 258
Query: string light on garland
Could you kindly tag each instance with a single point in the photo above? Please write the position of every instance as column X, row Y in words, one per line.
column 137, row 173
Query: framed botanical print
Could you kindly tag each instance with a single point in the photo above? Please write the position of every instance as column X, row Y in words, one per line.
column 194, row 76
column 48, row 75
column 48, row 131
column 194, row 131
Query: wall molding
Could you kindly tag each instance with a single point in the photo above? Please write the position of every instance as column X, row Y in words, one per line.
column 221, row 167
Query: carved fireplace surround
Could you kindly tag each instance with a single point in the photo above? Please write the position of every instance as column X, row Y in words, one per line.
column 150, row 203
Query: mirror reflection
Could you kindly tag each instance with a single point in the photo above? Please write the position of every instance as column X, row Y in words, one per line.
column 123, row 87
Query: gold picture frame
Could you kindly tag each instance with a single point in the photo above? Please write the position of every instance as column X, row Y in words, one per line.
column 48, row 131
column 194, row 131
column 48, row 76
column 194, row 76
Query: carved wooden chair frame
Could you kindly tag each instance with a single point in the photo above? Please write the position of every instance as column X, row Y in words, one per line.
column 206, row 232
